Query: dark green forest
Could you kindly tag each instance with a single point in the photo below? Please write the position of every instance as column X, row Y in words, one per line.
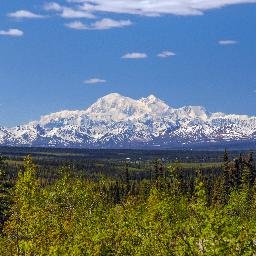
column 127, row 202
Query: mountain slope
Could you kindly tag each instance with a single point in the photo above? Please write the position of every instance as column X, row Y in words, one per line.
column 117, row 121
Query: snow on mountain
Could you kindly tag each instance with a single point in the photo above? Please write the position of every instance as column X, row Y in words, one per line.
column 118, row 121
column 116, row 107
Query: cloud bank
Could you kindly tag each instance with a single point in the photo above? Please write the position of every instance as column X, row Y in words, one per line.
column 155, row 7
column 92, row 9
column 68, row 12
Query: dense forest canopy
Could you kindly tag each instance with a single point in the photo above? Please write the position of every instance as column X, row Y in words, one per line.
column 57, row 205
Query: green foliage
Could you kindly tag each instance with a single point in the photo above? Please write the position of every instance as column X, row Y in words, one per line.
column 5, row 199
column 77, row 216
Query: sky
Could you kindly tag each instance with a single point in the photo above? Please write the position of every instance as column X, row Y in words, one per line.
column 66, row 54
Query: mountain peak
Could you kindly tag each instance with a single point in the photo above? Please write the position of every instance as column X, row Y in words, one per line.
column 119, row 108
column 116, row 120
column 112, row 99
column 112, row 96
column 152, row 97
column 154, row 104
column 113, row 106
column 197, row 112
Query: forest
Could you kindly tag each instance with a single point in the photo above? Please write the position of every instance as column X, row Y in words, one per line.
column 71, row 202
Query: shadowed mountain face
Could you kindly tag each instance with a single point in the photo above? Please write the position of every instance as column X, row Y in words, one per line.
column 116, row 121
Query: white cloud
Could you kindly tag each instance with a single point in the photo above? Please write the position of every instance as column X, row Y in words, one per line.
column 110, row 23
column 24, row 14
column 95, row 81
column 67, row 12
column 165, row 54
column 52, row 6
column 227, row 42
column 135, row 55
column 12, row 32
column 71, row 14
column 155, row 7
column 99, row 25
column 78, row 25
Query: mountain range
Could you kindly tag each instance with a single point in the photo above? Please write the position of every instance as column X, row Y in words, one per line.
column 115, row 121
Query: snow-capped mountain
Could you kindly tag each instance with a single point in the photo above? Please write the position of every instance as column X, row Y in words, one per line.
column 116, row 121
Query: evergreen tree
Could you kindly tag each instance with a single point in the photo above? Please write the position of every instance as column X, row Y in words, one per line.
column 251, row 166
column 248, row 172
column 161, row 169
column 219, row 196
column 156, row 169
column 225, row 156
column 5, row 198
column 116, row 193
column 237, row 174
column 227, row 175
column 127, row 178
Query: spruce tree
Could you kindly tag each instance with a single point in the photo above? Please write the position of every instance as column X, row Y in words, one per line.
column 5, row 199
column 236, row 173
column 156, row 169
column 127, row 178
column 251, row 167
column 225, row 156
column 226, row 174
column 248, row 173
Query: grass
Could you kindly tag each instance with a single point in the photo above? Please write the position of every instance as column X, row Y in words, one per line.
column 198, row 165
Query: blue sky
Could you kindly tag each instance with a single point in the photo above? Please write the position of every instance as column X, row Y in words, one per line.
column 66, row 54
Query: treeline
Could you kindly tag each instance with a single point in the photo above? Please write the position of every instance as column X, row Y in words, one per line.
column 172, row 212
